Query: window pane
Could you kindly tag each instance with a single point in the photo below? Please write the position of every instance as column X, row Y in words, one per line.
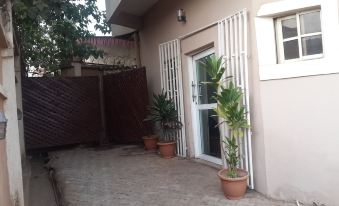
column 312, row 45
column 291, row 49
column 310, row 22
column 289, row 28
column 205, row 91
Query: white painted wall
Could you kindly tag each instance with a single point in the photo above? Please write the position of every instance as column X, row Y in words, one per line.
column 301, row 129
column 299, row 105
column 264, row 23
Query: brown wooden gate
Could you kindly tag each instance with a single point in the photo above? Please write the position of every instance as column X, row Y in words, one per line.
column 61, row 111
column 126, row 100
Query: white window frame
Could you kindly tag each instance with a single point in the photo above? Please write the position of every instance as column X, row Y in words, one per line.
column 281, row 40
column 267, row 51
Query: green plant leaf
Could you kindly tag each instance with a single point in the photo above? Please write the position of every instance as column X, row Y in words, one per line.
column 229, row 108
column 163, row 111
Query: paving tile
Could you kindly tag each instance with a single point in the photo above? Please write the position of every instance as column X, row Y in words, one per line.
column 129, row 176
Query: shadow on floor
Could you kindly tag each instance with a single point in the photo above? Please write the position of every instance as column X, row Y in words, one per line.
column 40, row 189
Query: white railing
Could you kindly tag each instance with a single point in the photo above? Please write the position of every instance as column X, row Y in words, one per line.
column 232, row 37
column 171, row 83
column 233, row 45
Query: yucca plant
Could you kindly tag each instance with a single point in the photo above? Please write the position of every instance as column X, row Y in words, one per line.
column 163, row 111
column 215, row 70
column 229, row 109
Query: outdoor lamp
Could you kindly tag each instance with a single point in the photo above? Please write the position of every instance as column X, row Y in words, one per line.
column 181, row 15
column 3, row 125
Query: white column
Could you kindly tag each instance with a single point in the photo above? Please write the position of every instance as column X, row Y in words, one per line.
column 12, row 137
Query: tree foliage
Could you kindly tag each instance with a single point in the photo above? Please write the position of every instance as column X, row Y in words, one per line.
column 50, row 32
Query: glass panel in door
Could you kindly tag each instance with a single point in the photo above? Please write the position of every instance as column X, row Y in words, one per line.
column 205, row 92
column 210, row 136
column 209, row 133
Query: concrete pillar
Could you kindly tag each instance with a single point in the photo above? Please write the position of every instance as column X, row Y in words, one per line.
column 76, row 69
column 4, row 182
column 13, row 140
column 137, row 49
column 19, row 105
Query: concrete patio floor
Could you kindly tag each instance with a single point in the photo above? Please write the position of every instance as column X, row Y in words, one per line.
column 130, row 176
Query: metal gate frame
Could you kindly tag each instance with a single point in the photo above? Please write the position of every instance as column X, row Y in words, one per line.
column 171, row 83
column 233, row 45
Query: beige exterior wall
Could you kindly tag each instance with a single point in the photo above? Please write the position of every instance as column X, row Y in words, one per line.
column 13, row 139
column 11, row 145
column 19, row 106
column 4, row 181
column 300, row 121
column 160, row 25
column 294, row 120
column 300, row 126
column 115, row 55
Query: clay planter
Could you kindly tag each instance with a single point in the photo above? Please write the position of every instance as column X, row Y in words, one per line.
column 167, row 149
column 234, row 188
column 150, row 142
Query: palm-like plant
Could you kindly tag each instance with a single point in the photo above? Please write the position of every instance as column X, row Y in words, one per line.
column 163, row 111
column 229, row 109
column 214, row 68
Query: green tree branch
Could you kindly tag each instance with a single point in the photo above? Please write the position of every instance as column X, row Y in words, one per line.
column 50, row 32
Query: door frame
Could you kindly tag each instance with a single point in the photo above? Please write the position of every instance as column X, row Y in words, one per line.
column 194, row 109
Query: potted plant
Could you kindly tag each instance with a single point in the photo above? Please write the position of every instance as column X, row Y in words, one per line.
column 163, row 112
column 232, row 112
column 150, row 142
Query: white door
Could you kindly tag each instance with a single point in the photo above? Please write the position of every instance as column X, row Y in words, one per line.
column 206, row 133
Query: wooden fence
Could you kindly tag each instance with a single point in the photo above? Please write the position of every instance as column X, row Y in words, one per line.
column 62, row 111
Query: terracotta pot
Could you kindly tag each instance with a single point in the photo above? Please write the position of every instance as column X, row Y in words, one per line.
column 234, row 188
column 150, row 142
column 167, row 149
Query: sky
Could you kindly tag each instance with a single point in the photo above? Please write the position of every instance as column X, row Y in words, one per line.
column 102, row 7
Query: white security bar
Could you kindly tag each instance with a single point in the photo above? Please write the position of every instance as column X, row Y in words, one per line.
column 232, row 36
column 171, row 83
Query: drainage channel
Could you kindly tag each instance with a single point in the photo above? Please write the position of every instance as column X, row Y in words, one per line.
column 56, row 190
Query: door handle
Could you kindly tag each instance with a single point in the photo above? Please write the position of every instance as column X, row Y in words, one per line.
column 199, row 88
column 193, row 85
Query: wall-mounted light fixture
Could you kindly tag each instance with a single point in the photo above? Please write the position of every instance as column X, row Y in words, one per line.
column 3, row 125
column 181, row 15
